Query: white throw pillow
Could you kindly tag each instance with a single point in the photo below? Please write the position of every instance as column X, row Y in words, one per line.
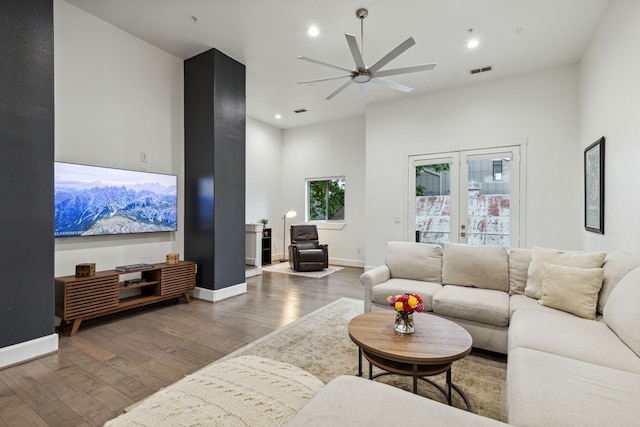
column 519, row 260
column 574, row 290
column 622, row 311
column 540, row 256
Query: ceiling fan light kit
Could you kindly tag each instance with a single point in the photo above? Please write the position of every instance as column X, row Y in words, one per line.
column 362, row 74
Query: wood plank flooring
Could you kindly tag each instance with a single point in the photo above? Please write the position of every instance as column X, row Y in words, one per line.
column 117, row 360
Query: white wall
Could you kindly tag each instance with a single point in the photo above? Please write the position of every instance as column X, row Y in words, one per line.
column 263, row 173
column 541, row 108
column 322, row 151
column 610, row 107
column 116, row 96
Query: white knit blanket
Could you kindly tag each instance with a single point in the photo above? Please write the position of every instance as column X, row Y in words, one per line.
column 243, row 391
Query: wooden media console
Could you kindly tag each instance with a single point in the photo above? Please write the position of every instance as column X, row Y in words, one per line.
column 80, row 298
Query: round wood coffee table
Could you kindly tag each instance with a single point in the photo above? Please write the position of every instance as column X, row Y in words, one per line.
column 430, row 350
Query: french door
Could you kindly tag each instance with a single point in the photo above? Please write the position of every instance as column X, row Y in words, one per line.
column 467, row 196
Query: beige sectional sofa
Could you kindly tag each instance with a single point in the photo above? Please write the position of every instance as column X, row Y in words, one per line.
column 576, row 364
column 569, row 322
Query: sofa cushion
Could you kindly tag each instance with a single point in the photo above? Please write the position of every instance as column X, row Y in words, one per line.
column 540, row 256
column 519, row 260
column 426, row 290
column 485, row 336
column 570, row 336
column 545, row 389
column 353, row 401
column 623, row 310
column 574, row 290
column 481, row 305
column 616, row 265
column 484, row 267
column 518, row 302
column 416, row 261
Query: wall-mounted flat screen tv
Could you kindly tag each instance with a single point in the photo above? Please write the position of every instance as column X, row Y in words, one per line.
column 92, row 200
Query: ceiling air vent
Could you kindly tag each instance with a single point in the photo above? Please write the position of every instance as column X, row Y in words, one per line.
column 300, row 110
column 481, row 70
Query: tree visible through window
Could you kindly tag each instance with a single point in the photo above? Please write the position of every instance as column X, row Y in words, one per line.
column 326, row 199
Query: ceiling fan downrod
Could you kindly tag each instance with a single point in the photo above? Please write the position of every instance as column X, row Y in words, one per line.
column 361, row 14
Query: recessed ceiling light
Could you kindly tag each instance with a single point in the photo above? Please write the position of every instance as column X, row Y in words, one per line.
column 313, row 31
column 473, row 43
column 278, row 116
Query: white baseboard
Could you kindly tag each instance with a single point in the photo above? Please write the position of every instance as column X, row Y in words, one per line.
column 24, row 351
column 214, row 295
column 338, row 261
column 346, row 262
column 254, row 271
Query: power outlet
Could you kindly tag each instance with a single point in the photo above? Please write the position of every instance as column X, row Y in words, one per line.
column 144, row 157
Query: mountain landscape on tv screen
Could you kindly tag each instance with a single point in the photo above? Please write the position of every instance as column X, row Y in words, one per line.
column 84, row 209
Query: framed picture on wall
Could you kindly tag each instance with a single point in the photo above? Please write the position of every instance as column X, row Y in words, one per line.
column 594, row 187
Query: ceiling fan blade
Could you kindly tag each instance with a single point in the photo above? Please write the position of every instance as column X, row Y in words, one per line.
column 340, row 89
column 392, row 55
column 405, row 70
column 365, row 93
column 315, row 61
column 391, row 85
column 355, row 52
column 323, row 80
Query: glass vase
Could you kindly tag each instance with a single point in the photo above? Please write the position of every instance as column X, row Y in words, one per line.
column 404, row 323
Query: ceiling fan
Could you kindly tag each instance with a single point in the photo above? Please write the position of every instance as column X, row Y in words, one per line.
column 363, row 74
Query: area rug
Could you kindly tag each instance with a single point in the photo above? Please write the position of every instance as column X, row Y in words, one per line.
column 283, row 267
column 320, row 344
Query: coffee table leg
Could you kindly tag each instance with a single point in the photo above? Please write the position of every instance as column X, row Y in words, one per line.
column 359, row 362
column 415, row 379
column 449, row 386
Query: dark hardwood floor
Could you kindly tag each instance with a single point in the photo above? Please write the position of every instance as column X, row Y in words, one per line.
column 118, row 360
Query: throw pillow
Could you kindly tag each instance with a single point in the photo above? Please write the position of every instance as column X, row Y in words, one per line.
column 519, row 260
column 540, row 256
column 622, row 311
column 574, row 290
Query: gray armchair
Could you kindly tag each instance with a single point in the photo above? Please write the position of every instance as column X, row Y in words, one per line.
column 305, row 251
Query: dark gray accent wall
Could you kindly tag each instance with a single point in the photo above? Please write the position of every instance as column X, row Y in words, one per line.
column 26, row 170
column 214, row 122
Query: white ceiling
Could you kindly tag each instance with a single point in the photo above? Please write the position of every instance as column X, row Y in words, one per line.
column 516, row 37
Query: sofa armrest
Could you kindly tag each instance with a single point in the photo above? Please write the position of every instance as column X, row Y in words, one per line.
column 371, row 278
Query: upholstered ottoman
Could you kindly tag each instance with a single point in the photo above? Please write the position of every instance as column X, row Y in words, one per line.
column 246, row 390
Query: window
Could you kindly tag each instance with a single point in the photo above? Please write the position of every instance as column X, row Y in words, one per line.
column 325, row 199
column 497, row 170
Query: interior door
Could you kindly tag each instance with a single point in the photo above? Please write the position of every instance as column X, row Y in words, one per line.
column 467, row 196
